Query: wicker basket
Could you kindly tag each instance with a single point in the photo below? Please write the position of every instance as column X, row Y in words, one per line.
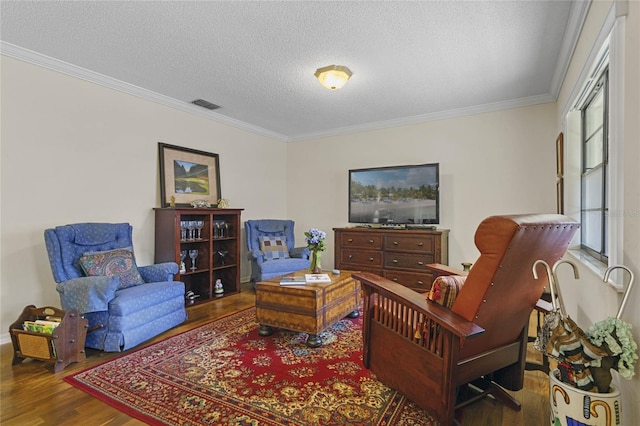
column 34, row 346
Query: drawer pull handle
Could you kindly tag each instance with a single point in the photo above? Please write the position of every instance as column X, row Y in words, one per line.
column 395, row 279
column 421, row 263
column 350, row 256
column 420, row 244
column 370, row 241
column 420, row 282
column 350, row 240
column 395, row 243
column 371, row 259
column 395, row 260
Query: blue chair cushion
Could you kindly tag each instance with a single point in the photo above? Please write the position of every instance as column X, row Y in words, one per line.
column 133, row 299
column 93, row 234
column 284, row 267
column 119, row 263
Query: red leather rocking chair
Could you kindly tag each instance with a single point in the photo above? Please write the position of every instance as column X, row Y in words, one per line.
column 426, row 351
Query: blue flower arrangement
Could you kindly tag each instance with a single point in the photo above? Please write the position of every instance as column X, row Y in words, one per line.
column 315, row 239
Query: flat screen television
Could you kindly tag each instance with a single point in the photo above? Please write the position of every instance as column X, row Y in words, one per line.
column 404, row 195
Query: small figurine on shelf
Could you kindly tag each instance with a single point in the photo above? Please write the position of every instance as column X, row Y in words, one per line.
column 219, row 291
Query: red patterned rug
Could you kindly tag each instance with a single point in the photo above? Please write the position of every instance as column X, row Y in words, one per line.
column 224, row 373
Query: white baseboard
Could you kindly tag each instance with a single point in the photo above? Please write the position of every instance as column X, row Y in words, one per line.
column 5, row 338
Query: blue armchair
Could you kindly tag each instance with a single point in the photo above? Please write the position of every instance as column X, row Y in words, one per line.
column 272, row 251
column 94, row 266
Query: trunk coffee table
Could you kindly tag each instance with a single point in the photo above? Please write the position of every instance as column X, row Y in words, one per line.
column 308, row 308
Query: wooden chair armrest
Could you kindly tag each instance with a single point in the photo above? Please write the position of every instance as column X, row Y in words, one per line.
column 408, row 298
column 439, row 269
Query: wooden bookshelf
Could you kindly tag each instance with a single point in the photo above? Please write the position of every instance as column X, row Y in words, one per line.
column 217, row 244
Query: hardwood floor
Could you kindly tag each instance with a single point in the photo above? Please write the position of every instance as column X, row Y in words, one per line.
column 32, row 394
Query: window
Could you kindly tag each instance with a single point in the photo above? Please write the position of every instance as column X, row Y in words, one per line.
column 593, row 132
column 595, row 170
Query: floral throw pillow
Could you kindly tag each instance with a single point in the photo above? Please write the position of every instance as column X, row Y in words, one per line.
column 119, row 263
column 274, row 247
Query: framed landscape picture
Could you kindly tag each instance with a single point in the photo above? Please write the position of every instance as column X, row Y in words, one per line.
column 187, row 175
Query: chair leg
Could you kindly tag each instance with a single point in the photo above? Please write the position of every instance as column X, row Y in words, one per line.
column 481, row 388
column 535, row 366
column 504, row 397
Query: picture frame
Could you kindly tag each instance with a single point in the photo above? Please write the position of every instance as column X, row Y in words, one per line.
column 187, row 175
column 560, row 155
column 560, row 173
column 560, row 195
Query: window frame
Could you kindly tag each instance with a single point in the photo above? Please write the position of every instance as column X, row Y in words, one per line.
column 601, row 85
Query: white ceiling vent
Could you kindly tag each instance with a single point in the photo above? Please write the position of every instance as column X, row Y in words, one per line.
column 205, row 104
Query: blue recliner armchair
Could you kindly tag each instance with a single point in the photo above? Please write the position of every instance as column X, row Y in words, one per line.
column 272, row 251
column 94, row 266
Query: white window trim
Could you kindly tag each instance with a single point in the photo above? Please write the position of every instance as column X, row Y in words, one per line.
column 611, row 38
column 616, row 155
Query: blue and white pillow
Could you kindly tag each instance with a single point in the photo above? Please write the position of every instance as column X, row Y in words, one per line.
column 274, row 247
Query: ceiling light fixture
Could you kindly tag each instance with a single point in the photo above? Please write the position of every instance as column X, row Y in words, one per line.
column 333, row 77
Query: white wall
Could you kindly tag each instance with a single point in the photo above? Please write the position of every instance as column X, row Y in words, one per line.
column 74, row 151
column 588, row 299
column 494, row 163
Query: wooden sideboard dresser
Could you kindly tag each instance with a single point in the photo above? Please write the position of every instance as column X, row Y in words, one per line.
column 401, row 255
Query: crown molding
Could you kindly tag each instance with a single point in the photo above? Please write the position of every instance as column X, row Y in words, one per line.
column 577, row 17
column 422, row 118
column 35, row 58
column 13, row 51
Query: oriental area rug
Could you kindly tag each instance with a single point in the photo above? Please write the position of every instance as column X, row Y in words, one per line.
column 224, row 373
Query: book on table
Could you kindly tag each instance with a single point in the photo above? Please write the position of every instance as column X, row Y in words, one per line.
column 293, row 280
column 317, row 278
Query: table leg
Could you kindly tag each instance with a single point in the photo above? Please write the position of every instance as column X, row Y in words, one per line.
column 314, row 341
column 265, row 330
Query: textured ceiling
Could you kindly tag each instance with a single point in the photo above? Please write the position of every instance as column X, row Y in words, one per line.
column 411, row 60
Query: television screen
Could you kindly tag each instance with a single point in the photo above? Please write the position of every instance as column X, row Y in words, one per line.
column 395, row 195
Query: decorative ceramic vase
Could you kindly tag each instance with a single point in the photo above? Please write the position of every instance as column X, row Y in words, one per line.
column 316, row 262
column 572, row 406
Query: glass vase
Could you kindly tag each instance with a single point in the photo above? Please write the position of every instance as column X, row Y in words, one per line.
column 316, row 262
